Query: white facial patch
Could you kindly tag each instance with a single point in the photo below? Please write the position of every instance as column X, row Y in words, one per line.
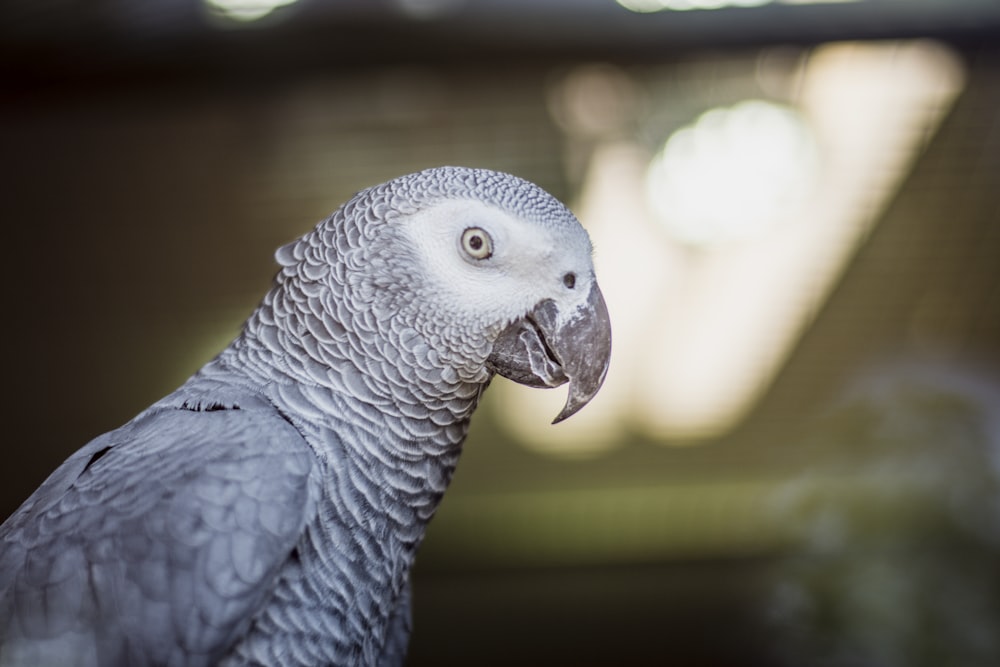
column 522, row 269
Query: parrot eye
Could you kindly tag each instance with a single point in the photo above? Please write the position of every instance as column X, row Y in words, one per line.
column 569, row 280
column 477, row 243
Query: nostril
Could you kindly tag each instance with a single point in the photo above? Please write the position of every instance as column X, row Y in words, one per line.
column 569, row 280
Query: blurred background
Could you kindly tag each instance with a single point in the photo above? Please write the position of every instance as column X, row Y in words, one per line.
column 796, row 208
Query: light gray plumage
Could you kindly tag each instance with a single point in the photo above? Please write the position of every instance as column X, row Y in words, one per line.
column 268, row 511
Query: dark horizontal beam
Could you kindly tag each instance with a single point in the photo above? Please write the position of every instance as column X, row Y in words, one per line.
column 177, row 38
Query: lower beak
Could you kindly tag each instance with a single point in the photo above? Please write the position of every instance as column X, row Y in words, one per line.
column 546, row 348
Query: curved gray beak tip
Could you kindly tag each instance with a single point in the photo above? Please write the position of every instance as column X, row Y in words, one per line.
column 584, row 348
column 543, row 349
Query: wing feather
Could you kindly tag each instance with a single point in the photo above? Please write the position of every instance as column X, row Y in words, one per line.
column 155, row 543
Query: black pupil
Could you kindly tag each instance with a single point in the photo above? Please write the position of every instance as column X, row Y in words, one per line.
column 569, row 280
column 475, row 242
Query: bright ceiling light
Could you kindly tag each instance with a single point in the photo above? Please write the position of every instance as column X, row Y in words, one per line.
column 245, row 11
column 428, row 9
column 650, row 6
column 733, row 173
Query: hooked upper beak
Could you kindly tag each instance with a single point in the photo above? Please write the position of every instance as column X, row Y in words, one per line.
column 543, row 349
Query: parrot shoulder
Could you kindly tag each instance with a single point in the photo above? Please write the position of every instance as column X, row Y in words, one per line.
column 165, row 533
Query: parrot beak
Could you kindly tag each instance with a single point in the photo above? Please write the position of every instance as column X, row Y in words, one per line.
column 546, row 348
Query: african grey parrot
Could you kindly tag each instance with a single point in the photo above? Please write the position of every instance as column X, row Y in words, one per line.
column 267, row 512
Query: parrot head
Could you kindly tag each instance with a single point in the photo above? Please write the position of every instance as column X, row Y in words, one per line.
column 514, row 267
column 467, row 273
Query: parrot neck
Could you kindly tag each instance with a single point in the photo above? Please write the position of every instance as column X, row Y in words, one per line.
column 401, row 429
column 384, row 414
column 355, row 361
